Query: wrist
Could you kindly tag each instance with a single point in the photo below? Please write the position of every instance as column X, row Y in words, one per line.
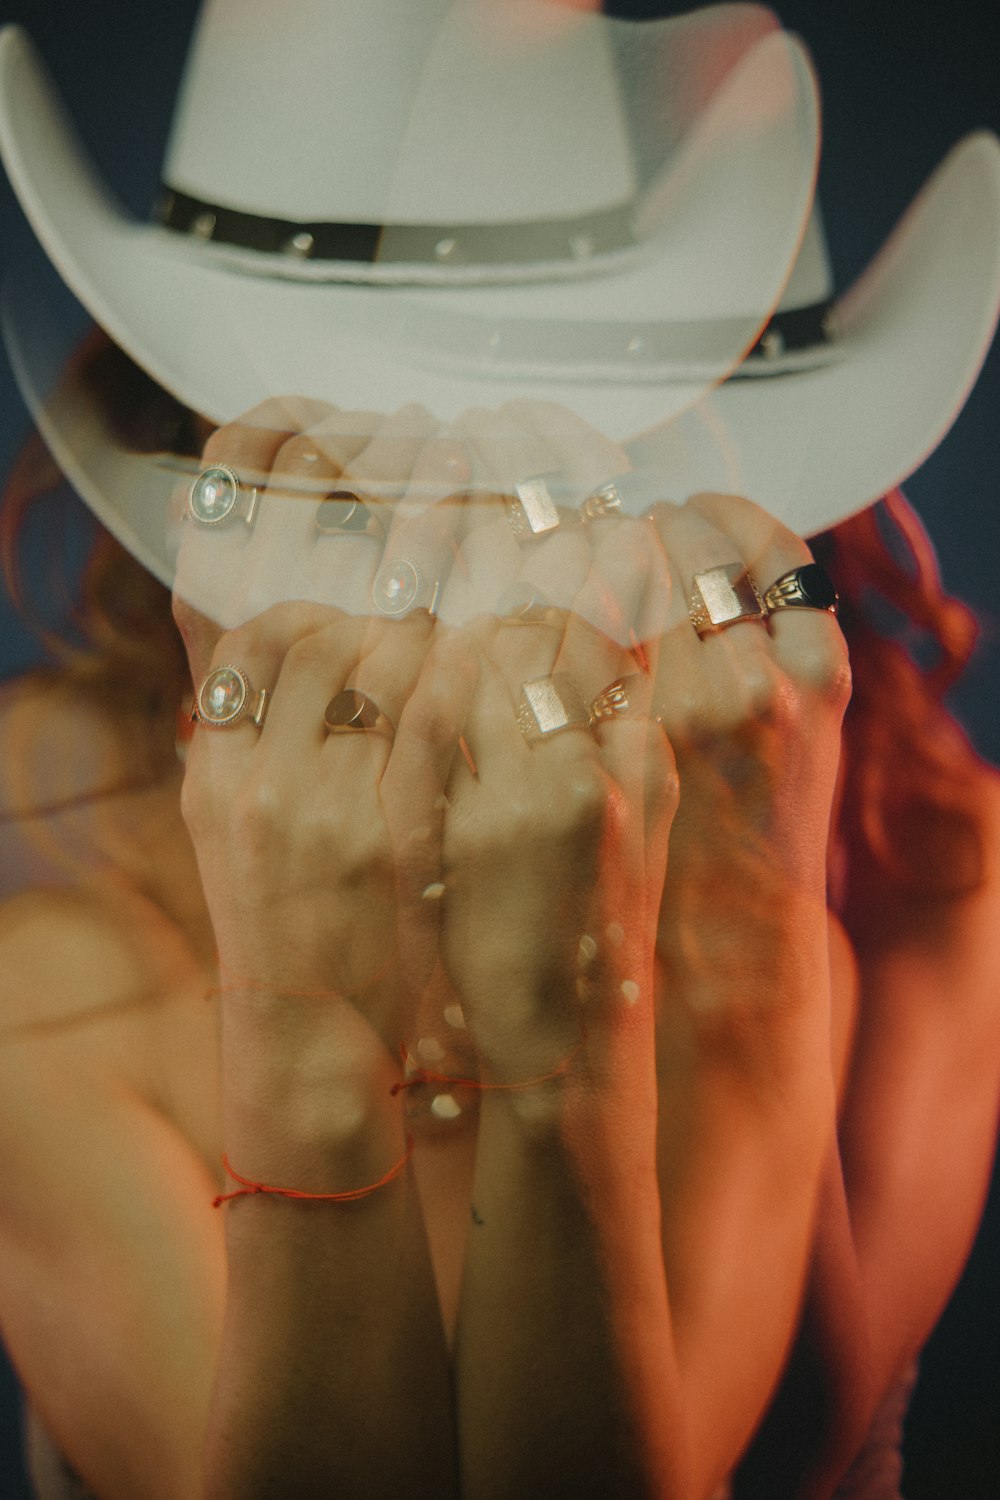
column 305, row 1079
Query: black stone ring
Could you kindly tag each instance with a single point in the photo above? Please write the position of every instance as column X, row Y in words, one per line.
column 808, row 587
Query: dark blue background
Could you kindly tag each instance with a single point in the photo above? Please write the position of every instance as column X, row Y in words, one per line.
column 901, row 82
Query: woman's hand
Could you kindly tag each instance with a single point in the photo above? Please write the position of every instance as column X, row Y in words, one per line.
column 744, row 1008
column 554, row 850
column 313, row 848
column 754, row 714
column 303, row 836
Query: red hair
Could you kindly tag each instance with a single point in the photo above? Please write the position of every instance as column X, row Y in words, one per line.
column 908, row 823
column 114, row 638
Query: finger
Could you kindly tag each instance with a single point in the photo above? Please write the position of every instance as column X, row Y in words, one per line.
column 520, row 730
column 423, row 752
column 391, row 661
column 413, row 793
column 807, row 642
column 639, row 761
column 552, row 561
column 486, row 563
column 577, row 449
column 421, row 544
column 212, row 558
column 314, row 668
column 633, row 749
column 258, row 650
column 627, row 590
column 281, row 561
column 330, row 558
column 595, row 661
column 615, row 591
column 709, row 682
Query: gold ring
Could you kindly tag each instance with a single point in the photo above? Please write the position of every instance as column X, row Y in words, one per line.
column 604, row 503
column 353, row 712
column 614, row 700
column 400, row 587
column 226, row 696
column 722, row 597
column 808, row 587
column 548, row 705
column 344, row 513
column 523, row 604
column 531, row 510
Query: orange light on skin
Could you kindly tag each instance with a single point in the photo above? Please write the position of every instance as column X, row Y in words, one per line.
column 468, row 757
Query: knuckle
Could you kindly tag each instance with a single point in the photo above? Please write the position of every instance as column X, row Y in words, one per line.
column 225, row 442
column 826, row 672
column 764, row 690
column 661, row 784
column 308, row 653
column 580, row 806
column 239, row 647
column 363, row 857
column 297, row 452
column 733, row 706
column 352, row 858
column 729, row 510
column 258, row 813
column 662, row 514
column 431, row 720
column 700, row 717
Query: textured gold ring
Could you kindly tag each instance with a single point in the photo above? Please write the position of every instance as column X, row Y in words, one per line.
column 724, row 596
column 548, row 705
column 808, row 587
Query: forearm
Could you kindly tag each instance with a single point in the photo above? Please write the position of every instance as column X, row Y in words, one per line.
column 829, row 1390
column 565, row 1372
column 747, row 1118
column 333, row 1376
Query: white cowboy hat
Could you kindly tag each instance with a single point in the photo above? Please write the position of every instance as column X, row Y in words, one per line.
column 712, row 149
column 824, row 439
column 456, row 202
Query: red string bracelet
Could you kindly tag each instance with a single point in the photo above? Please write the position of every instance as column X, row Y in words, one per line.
column 248, row 1187
column 427, row 1075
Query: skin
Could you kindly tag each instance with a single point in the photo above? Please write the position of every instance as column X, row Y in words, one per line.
column 571, row 1287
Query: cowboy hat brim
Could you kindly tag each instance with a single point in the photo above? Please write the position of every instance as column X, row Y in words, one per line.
column 814, row 446
column 811, row 446
column 626, row 347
